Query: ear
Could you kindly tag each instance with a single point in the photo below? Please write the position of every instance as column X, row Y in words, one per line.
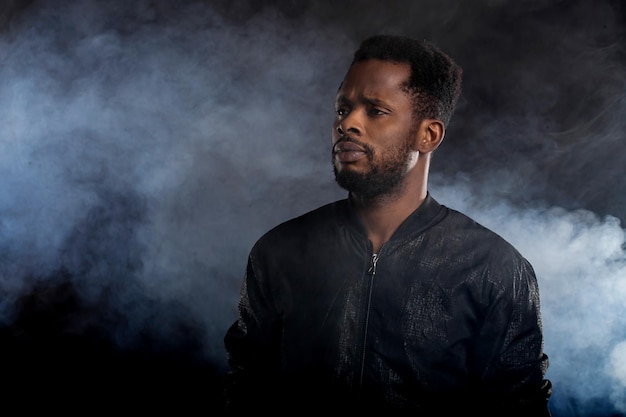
column 430, row 135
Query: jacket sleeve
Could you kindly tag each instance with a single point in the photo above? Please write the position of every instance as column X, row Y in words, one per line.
column 514, row 372
column 252, row 346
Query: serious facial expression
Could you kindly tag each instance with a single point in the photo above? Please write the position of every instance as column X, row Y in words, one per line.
column 374, row 129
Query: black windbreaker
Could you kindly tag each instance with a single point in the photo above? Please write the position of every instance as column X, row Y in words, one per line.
column 444, row 319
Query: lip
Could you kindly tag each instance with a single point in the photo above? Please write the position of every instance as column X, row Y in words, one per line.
column 346, row 152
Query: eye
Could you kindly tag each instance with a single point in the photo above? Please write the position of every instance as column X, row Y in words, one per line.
column 378, row 112
column 341, row 111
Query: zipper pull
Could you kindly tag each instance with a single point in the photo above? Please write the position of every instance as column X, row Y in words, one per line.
column 373, row 261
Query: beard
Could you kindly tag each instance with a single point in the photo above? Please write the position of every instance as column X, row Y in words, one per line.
column 384, row 177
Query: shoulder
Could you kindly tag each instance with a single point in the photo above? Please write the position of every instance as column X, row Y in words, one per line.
column 466, row 235
column 463, row 227
column 323, row 215
column 489, row 264
column 321, row 220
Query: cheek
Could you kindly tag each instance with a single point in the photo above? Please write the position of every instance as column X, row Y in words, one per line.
column 398, row 137
column 398, row 146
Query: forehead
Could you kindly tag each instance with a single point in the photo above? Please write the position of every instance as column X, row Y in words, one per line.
column 374, row 79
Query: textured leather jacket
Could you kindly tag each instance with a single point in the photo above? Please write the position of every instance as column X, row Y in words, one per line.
column 444, row 319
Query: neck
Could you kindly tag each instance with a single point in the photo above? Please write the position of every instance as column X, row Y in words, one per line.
column 382, row 215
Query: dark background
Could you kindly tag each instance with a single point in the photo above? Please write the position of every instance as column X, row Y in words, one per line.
column 145, row 145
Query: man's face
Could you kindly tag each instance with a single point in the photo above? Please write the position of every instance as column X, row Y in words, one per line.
column 374, row 130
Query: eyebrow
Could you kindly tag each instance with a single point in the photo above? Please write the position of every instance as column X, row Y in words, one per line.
column 370, row 100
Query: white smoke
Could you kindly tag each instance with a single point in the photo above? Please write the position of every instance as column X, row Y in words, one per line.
column 580, row 263
column 144, row 148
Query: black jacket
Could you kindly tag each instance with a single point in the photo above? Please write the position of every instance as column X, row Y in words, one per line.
column 444, row 319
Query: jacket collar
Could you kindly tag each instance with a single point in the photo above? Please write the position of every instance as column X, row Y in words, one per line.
column 428, row 212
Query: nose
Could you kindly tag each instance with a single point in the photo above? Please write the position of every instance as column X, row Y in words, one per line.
column 349, row 124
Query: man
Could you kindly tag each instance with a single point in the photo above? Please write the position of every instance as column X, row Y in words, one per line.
column 387, row 301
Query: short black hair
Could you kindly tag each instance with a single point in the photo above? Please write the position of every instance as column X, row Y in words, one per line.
column 435, row 80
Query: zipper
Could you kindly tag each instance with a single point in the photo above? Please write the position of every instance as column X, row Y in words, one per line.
column 373, row 262
column 371, row 272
